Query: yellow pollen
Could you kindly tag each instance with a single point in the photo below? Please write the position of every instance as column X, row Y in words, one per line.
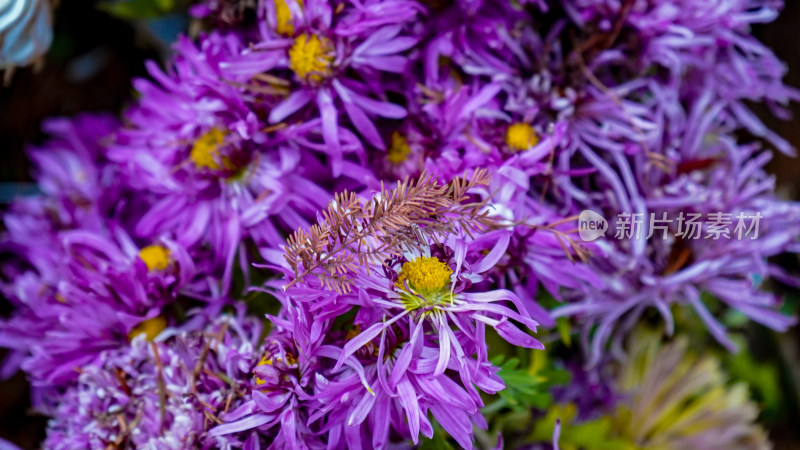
column 353, row 332
column 520, row 136
column 425, row 274
column 310, row 57
column 399, row 150
column 205, row 150
column 284, row 16
column 264, row 361
column 155, row 257
column 150, row 327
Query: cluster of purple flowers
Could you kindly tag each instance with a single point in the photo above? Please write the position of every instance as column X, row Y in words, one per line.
column 131, row 272
column 160, row 395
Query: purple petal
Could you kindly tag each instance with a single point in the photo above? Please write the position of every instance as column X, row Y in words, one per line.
column 290, row 105
column 240, row 425
column 515, row 336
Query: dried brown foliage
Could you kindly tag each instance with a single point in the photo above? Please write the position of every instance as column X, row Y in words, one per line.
column 571, row 248
column 356, row 233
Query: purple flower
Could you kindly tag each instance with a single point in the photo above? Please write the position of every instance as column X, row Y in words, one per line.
column 623, row 140
column 280, row 402
column 166, row 394
column 428, row 289
column 479, row 36
column 201, row 161
column 299, row 110
column 418, row 336
column 655, row 147
column 335, row 60
column 442, row 132
column 670, row 270
column 404, row 392
column 102, row 298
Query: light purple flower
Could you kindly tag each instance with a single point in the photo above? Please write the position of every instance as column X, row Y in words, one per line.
column 163, row 394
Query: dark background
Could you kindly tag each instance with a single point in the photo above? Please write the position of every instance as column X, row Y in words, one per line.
column 89, row 68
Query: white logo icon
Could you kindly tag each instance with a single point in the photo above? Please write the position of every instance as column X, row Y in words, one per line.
column 591, row 225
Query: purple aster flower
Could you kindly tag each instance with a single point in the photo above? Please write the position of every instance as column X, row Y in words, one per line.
column 404, row 392
column 416, row 340
column 363, row 366
column 198, row 155
column 336, row 61
column 165, row 394
column 441, row 133
column 481, row 37
column 655, row 147
column 707, row 49
column 72, row 173
column 280, row 405
column 432, row 288
column 622, row 140
column 102, row 298
column 302, row 396
column 80, row 284
column 680, row 269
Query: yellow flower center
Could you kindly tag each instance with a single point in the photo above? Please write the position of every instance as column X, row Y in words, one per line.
column 399, row 150
column 264, row 361
column 150, row 327
column 205, row 151
column 520, row 136
column 425, row 275
column 284, row 16
column 353, row 332
column 155, row 257
column 310, row 57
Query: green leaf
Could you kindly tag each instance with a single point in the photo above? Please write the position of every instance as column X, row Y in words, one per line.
column 562, row 325
column 589, row 435
column 734, row 318
column 529, row 388
column 763, row 377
